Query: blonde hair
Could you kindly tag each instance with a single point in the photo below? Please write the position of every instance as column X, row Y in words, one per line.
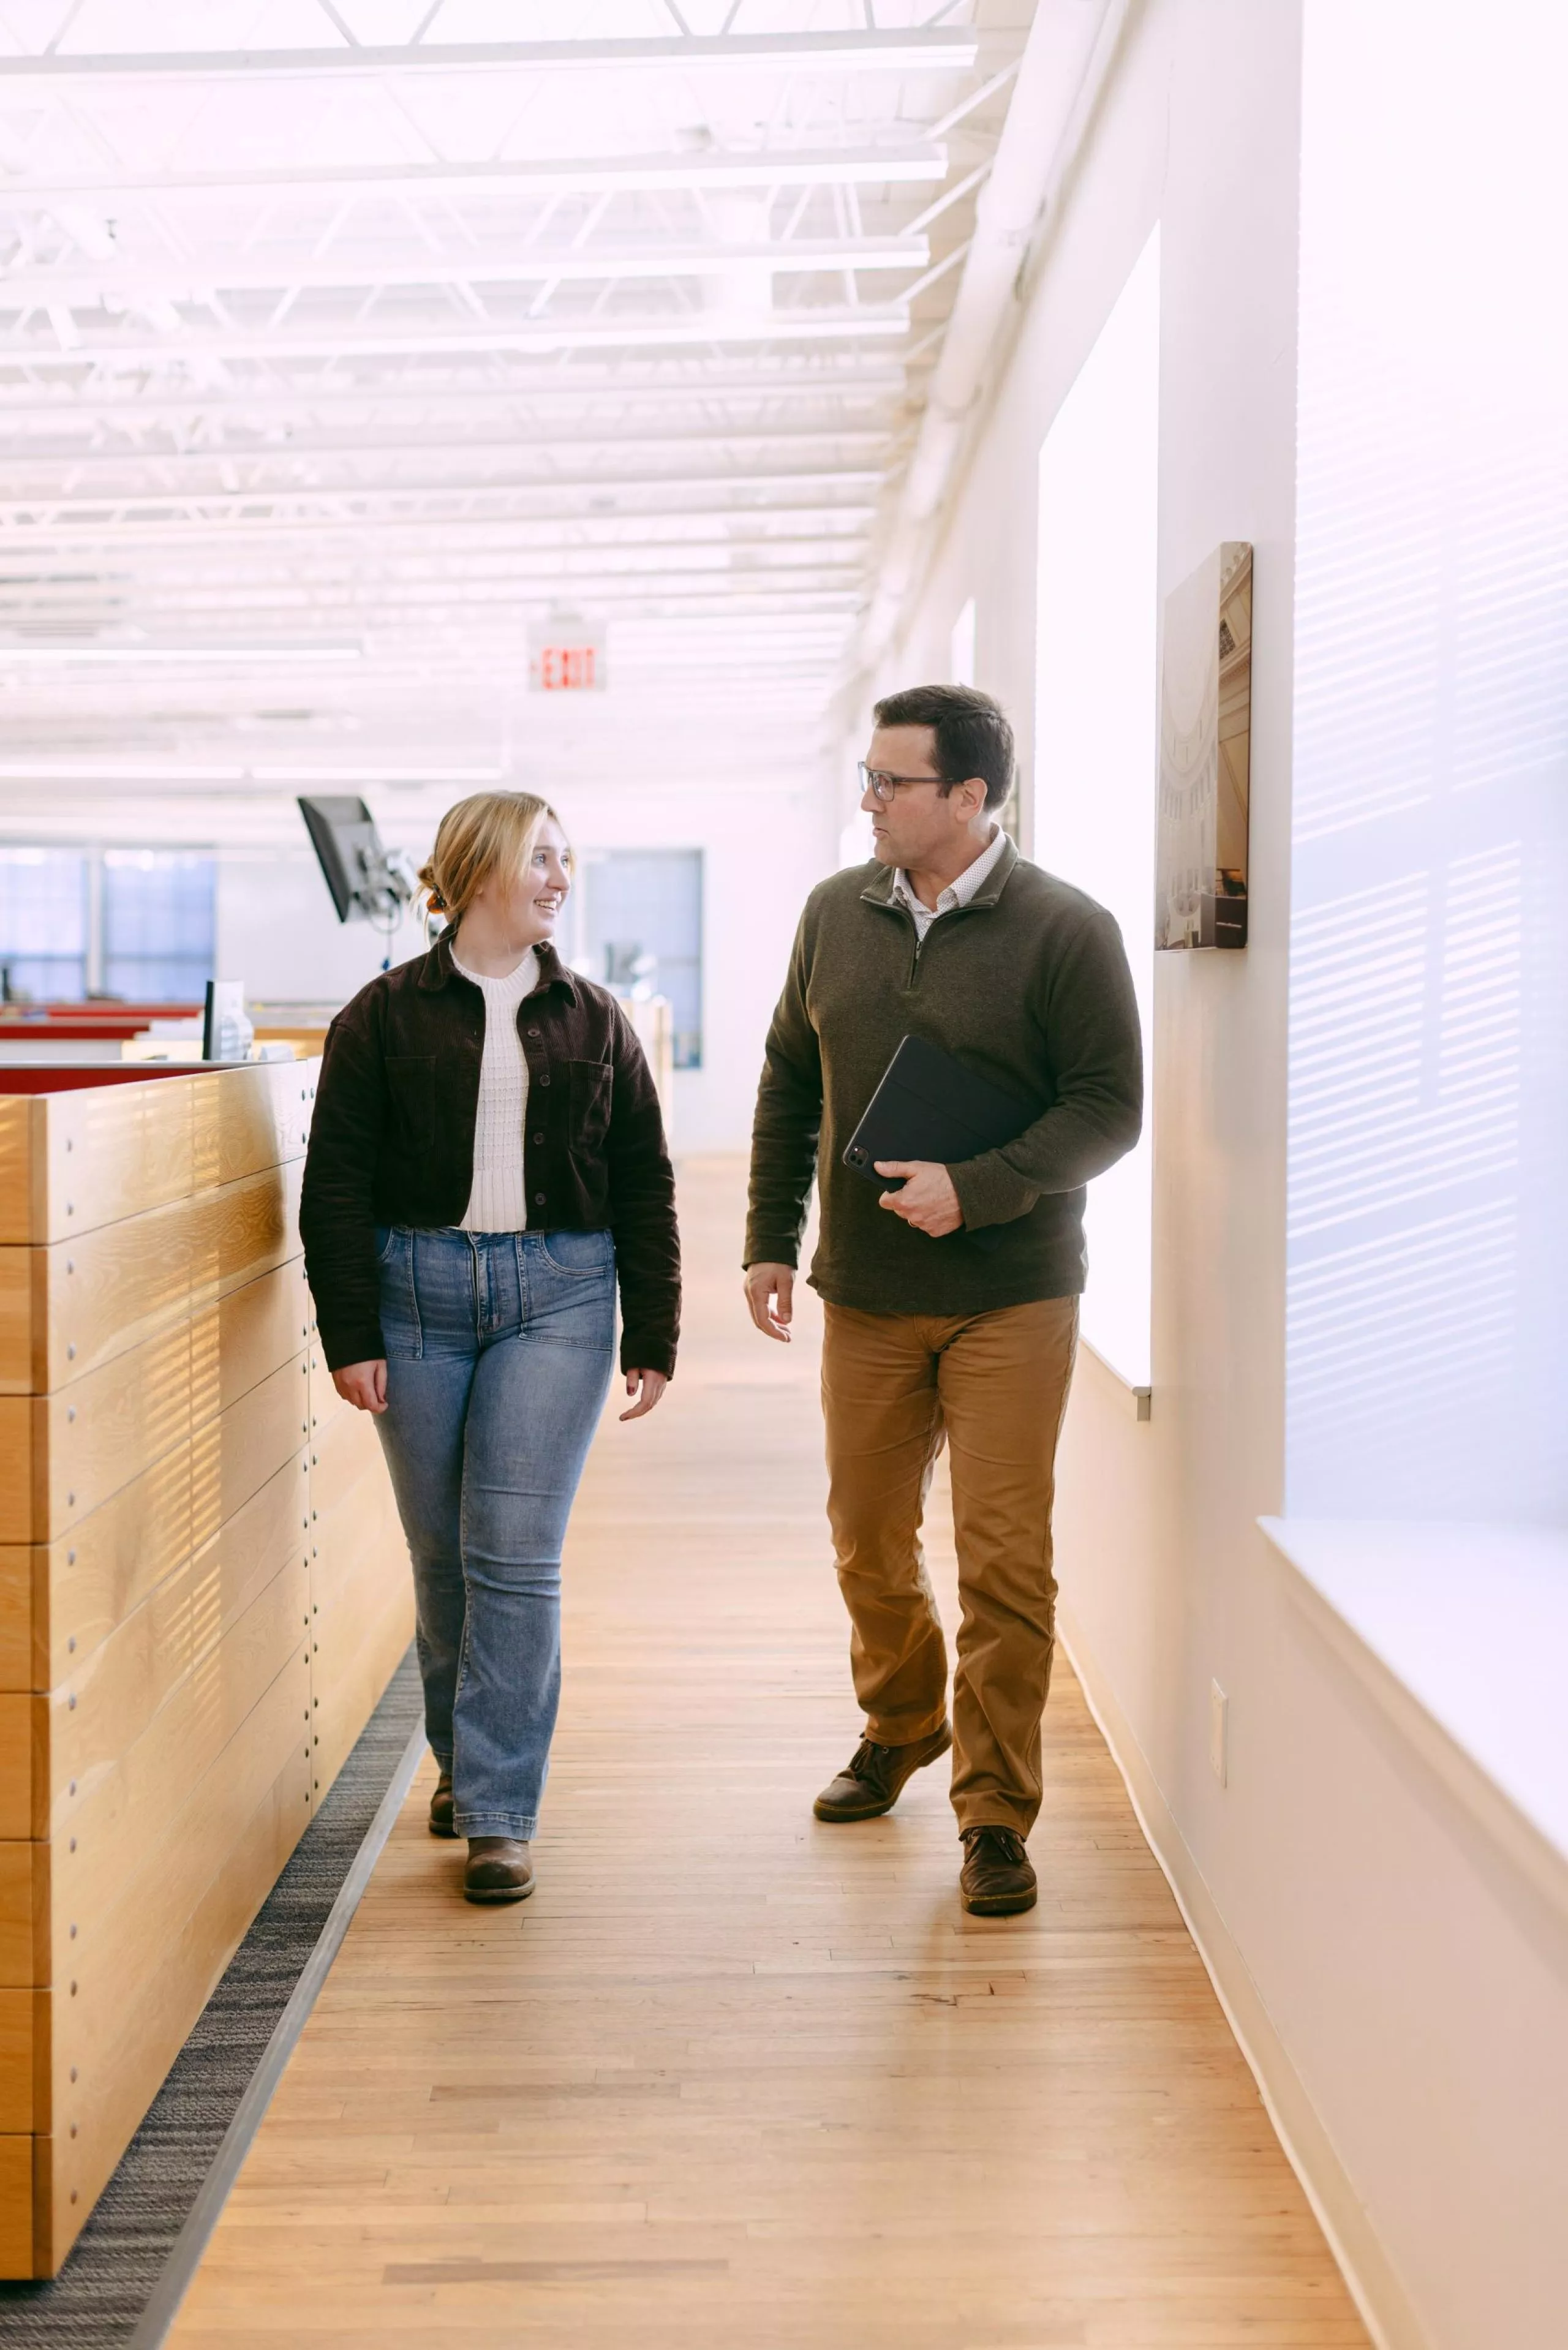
column 477, row 838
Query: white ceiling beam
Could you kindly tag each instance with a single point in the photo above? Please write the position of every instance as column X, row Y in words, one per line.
column 725, row 525
column 912, row 162
column 835, row 373
column 467, row 452
column 679, row 331
column 347, row 604
column 592, row 485
column 771, row 53
column 190, row 277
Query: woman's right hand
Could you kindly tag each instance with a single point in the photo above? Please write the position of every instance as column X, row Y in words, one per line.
column 364, row 1385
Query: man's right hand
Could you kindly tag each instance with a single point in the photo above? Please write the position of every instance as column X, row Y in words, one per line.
column 764, row 1283
column 364, row 1385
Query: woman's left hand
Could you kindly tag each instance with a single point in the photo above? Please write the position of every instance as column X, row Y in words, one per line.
column 653, row 1385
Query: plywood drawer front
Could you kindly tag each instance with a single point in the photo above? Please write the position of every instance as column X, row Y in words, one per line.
column 364, row 1524
column 107, row 1698
column 241, row 1340
column 21, row 1168
column 121, row 2045
column 126, row 1804
column 19, row 1468
column 326, row 1404
column 247, row 1227
column 18, row 1740
column 234, row 1455
column 24, row 1917
column 20, row 2057
column 110, row 1290
column 67, row 1309
column 352, row 1688
column 117, row 1951
column 89, row 1580
column 263, row 1538
column 104, row 1431
column 106, row 1704
column 113, row 1151
column 342, row 1455
column 16, row 2206
column 23, row 1321
column 18, row 1657
column 246, row 1119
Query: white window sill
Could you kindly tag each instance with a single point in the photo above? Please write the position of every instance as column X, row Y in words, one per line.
column 1459, row 1630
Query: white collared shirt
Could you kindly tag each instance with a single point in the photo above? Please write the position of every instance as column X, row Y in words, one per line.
column 957, row 893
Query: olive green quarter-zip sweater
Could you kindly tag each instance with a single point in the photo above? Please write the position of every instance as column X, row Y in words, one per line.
column 1028, row 985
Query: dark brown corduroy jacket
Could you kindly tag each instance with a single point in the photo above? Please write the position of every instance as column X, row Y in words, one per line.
column 391, row 1142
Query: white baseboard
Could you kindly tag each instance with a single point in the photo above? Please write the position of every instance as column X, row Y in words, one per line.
column 1379, row 2295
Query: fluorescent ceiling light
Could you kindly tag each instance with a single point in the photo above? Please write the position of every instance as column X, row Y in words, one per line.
column 915, row 51
column 920, row 162
column 189, row 279
column 844, row 374
column 678, row 333
column 55, row 654
column 113, row 505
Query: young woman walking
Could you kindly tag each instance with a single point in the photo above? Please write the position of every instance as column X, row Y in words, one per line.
column 486, row 1156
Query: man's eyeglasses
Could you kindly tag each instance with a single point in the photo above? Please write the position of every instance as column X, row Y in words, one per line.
column 882, row 786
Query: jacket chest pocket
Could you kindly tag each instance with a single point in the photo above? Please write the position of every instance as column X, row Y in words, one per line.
column 411, row 1084
column 589, row 1097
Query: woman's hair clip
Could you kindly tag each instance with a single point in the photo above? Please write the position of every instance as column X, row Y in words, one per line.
column 437, row 902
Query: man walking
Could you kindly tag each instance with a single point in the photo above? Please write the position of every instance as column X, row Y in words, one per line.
column 930, row 1332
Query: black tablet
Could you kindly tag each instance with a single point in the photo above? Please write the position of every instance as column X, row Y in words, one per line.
column 929, row 1106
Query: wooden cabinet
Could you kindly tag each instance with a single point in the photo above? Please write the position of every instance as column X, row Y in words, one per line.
column 203, row 1590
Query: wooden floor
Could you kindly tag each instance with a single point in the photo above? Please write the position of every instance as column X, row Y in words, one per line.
column 733, row 2078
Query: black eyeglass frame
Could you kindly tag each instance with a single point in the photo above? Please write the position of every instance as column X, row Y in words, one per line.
column 871, row 778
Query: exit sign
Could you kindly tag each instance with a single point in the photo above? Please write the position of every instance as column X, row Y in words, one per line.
column 566, row 655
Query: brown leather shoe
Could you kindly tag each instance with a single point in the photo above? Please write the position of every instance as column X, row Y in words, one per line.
column 441, row 1823
column 996, row 1880
column 872, row 1779
column 499, row 1869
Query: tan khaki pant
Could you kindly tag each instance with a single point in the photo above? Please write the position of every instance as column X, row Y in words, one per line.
column 996, row 1385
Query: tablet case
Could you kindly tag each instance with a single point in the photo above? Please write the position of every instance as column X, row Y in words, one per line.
column 929, row 1106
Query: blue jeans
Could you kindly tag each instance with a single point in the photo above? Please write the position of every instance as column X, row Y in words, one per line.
column 499, row 1351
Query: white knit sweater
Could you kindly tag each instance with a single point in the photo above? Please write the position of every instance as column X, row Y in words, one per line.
column 498, row 1201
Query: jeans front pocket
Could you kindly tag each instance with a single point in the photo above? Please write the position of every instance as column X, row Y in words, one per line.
column 585, row 1255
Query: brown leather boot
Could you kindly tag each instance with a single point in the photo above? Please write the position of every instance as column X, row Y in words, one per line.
column 996, row 1880
column 499, row 1869
column 441, row 1823
column 872, row 1779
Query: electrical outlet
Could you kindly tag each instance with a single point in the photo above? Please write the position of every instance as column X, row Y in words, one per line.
column 1219, row 1734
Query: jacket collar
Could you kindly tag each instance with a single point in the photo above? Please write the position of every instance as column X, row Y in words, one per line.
column 880, row 892
column 436, row 971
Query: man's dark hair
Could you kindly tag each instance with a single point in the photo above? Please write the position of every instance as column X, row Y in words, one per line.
column 973, row 735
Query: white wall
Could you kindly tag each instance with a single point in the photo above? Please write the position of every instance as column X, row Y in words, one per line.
column 1390, row 1975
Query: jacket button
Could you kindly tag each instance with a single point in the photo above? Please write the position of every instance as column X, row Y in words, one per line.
column 544, row 1076
column 538, row 1199
column 535, row 1032
column 538, row 1137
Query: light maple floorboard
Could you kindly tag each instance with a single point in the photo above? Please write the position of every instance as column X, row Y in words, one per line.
column 733, row 2078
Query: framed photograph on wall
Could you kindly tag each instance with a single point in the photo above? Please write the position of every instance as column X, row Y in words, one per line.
column 1205, row 754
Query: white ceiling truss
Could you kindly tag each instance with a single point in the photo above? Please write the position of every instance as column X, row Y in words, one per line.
column 390, row 325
